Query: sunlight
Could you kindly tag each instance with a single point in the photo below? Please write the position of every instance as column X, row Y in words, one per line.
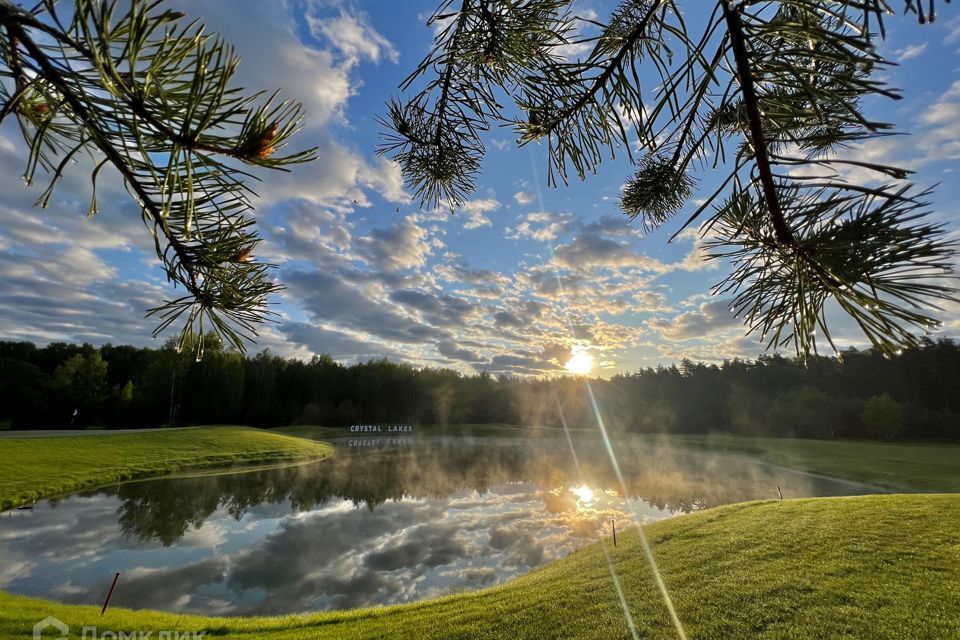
column 581, row 362
column 583, row 493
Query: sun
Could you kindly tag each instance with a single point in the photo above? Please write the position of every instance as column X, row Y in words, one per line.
column 583, row 493
column 581, row 362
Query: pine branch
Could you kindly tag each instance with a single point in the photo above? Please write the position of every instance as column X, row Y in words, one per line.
column 144, row 95
column 744, row 76
column 612, row 66
column 52, row 75
column 767, row 88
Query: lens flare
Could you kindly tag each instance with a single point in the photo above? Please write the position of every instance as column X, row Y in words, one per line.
column 647, row 552
column 583, row 493
column 581, row 362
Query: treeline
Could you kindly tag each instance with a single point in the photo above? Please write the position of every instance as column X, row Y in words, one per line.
column 861, row 394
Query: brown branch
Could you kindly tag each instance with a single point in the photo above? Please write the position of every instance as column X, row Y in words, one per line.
column 755, row 120
column 139, row 109
column 601, row 80
column 11, row 14
column 783, row 233
column 491, row 21
column 80, row 110
column 16, row 64
column 447, row 77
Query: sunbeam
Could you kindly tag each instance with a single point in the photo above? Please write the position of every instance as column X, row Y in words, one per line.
column 648, row 553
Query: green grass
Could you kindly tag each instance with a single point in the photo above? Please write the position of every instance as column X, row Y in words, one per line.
column 891, row 465
column 879, row 567
column 41, row 467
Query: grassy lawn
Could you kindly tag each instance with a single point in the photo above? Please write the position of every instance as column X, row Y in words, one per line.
column 893, row 465
column 39, row 467
column 879, row 567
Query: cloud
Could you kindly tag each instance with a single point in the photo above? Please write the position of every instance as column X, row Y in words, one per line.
column 310, row 74
column 402, row 245
column 907, row 53
column 474, row 211
column 507, row 319
column 451, row 350
column 355, row 307
column 523, row 198
column 368, row 274
column 590, row 250
column 709, row 318
column 953, row 34
column 541, row 225
column 353, row 36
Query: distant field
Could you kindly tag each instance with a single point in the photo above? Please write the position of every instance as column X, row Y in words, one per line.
column 39, row 467
column 892, row 465
column 472, row 430
column 880, row 567
column 889, row 465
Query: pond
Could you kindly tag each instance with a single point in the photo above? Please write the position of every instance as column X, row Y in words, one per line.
column 383, row 521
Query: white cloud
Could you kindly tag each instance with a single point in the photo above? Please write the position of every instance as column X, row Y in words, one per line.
column 910, row 52
column 523, row 198
column 953, row 35
column 474, row 212
column 353, row 36
column 541, row 225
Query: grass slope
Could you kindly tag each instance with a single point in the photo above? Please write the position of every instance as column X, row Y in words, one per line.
column 893, row 465
column 879, row 567
column 39, row 467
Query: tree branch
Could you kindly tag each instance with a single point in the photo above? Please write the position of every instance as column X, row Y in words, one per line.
column 755, row 120
column 598, row 83
column 81, row 111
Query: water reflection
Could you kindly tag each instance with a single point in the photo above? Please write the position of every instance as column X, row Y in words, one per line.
column 368, row 526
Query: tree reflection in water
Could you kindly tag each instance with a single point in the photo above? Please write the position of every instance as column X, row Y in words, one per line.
column 164, row 510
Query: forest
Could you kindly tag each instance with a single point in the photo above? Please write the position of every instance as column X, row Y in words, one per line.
column 857, row 394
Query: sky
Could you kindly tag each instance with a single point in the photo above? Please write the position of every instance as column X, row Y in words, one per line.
column 518, row 281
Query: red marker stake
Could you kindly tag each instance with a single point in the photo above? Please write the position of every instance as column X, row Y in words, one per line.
column 110, row 593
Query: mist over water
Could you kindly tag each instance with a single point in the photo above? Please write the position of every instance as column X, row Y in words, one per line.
column 385, row 520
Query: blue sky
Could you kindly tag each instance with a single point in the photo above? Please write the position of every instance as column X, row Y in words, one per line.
column 515, row 282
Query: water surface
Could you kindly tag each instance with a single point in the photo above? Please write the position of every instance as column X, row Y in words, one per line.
column 385, row 520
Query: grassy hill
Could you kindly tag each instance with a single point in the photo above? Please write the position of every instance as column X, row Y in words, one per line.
column 40, row 467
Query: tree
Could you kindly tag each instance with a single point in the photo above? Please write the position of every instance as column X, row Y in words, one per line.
column 82, row 381
column 142, row 91
column 882, row 417
column 770, row 91
column 804, row 412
